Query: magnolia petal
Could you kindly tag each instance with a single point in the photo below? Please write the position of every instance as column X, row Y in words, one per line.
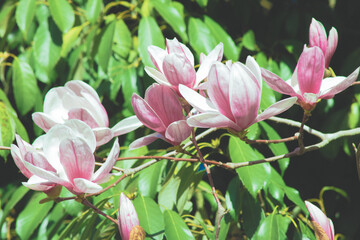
column 105, row 169
column 52, row 103
column 332, row 44
column 177, row 132
column 96, row 109
column 80, row 87
column 338, row 84
column 157, row 76
column 276, row 83
column 276, row 109
column 212, row 120
column 254, row 68
column 38, row 160
column 178, row 70
column 39, row 184
column 317, row 35
column 126, row 125
column 310, row 70
column 174, row 46
column 127, row 217
column 102, row 135
column 144, row 141
column 82, row 185
column 319, row 217
column 157, row 56
column 218, row 88
column 43, row 121
column 200, row 103
column 18, row 159
column 83, row 115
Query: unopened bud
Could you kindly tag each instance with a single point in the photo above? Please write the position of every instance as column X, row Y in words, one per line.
column 128, row 220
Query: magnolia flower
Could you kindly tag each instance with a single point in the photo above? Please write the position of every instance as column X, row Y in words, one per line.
column 234, row 92
column 317, row 37
column 323, row 226
column 66, row 158
column 77, row 100
column 128, row 220
column 160, row 111
column 175, row 65
column 307, row 83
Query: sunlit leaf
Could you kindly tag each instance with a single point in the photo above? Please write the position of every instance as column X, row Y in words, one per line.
column 175, row 227
column 24, row 14
column 93, row 9
column 273, row 226
column 201, row 38
column 249, row 40
column 62, row 13
column 105, row 46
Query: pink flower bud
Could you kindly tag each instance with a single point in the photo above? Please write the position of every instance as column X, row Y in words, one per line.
column 323, row 226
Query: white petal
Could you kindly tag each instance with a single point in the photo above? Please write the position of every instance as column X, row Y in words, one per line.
column 102, row 135
column 212, row 120
column 199, row 102
column 276, row 109
column 140, row 142
column 85, row 186
column 157, row 76
column 126, row 125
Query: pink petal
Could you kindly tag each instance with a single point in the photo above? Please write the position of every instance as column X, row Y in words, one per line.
column 144, row 141
column 310, row 70
column 212, row 120
column 146, row 114
column 218, row 88
column 177, row 132
column 253, row 66
column 18, row 159
column 127, row 217
column 77, row 159
column 276, row 83
column 174, row 46
column 80, row 87
column 107, row 166
column 82, row 185
column 178, row 70
column 157, row 56
column 43, row 121
column 245, row 94
column 157, row 76
column 332, row 44
column 340, row 86
column 83, row 115
column 199, row 102
column 38, row 160
column 318, row 216
column 276, row 109
column 126, row 125
column 39, row 184
column 102, row 135
column 317, row 36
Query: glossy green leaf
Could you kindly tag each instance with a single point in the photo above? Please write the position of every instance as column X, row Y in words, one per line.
column 201, row 38
column 69, row 39
column 278, row 148
column 253, row 177
column 173, row 17
column 231, row 51
column 62, row 13
column 248, row 40
column 175, row 227
column 105, row 46
column 15, row 198
column 129, row 83
column 33, row 214
column 149, row 179
column 24, row 85
column 273, row 226
column 224, row 227
column 294, row 196
column 276, row 186
column 6, row 12
column 353, row 115
column 306, row 232
column 122, row 39
column 267, row 96
column 149, row 34
column 93, row 9
column 251, row 211
column 202, row 3
column 150, row 217
column 24, row 15
column 7, row 129
column 233, row 198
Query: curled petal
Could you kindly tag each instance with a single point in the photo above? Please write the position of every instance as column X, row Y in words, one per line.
column 43, row 121
column 126, row 125
column 18, row 159
column 82, row 185
column 178, row 70
column 83, row 115
column 276, row 109
column 212, row 120
column 157, row 76
column 254, row 68
column 39, row 184
column 157, row 56
column 102, row 135
column 177, row 132
column 320, row 218
column 332, row 44
column 277, row 84
column 199, row 102
column 317, row 35
column 174, row 46
column 144, row 141
column 80, row 87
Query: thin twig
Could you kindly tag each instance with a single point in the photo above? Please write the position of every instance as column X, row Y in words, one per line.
column 4, row 148
column 98, row 211
column 283, row 140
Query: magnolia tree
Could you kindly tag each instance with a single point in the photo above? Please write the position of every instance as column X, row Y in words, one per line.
column 92, row 187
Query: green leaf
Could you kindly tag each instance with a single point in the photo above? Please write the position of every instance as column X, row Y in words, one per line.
column 273, row 226
column 149, row 34
column 253, row 177
column 149, row 179
column 276, row 186
column 62, row 13
column 122, row 39
column 231, row 51
column 24, row 85
column 224, row 227
column 33, row 214
column 93, row 9
column 277, row 149
column 6, row 13
column 105, row 46
column 201, row 38
column 294, row 196
column 15, row 198
column 233, row 198
column 24, row 15
column 306, row 232
column 69, row 39
column 173, row 17
column 7, row 129
column 129, row 83
column 248, row 40
column 150, row 217
column 267, row 96
column 202, row 3
column 175, row 227
column 353, row 115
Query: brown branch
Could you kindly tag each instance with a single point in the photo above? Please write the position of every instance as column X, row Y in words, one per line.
column 98, row 211
column 4, row 148
column 275, row 141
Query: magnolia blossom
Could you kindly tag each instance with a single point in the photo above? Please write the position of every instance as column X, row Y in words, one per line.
column 77, row 100
column 175, row 64
column 234, row 92
column 307, row 83
column 66, row 158
column 160, row 111
column 317, row 37
column 128, row 220
column 323, row 226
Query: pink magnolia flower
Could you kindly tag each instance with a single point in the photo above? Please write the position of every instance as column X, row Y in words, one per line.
column 175, row 65
column 307, row 83
column 160, row 111
column 66, row 158
column 323, row 226
column 234, row 92
column 128, row 220
column 77, row 100
column 317, row 37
